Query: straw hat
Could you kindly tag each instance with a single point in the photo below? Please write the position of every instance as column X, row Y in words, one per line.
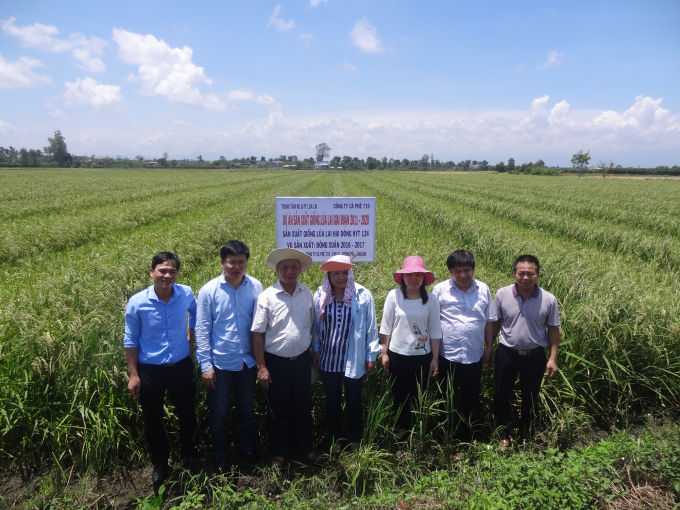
column 414, row 264
column 337, row 263
column 280, row 254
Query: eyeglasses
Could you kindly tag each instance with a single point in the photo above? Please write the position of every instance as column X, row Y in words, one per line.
column 234, row 263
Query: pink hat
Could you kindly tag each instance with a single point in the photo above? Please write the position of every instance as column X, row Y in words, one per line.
column 414, row 264
column 337, row 263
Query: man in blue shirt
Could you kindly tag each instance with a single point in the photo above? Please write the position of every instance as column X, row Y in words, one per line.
column 225, row 350
column 468, row 318
column 158, row 354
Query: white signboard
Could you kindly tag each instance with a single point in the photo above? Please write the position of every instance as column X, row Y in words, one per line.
column 322, row 227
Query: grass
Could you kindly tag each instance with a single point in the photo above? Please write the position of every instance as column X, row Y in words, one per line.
column 76, row 246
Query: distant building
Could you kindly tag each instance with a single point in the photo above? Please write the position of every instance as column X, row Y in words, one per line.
column 321, row 165
column 291, row 167
column 152, row 164
column 267, row 164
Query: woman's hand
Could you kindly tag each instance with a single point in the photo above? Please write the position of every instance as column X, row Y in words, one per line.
column 370, row 367
column 434, row 366
column 316, row 359
column 385, row 360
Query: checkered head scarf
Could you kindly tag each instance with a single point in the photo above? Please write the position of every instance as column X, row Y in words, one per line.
column 327, row 293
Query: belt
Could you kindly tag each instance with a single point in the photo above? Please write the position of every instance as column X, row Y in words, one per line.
column 289, row 358
column 527, row 352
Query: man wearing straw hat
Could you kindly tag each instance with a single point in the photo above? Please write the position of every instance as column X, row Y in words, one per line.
column 281, row 339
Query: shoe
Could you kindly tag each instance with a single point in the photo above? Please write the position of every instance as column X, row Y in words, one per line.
column 314, row 458
column 401, row 434
column 354, row 447
column 222, row 465
column 160, row 472
column 194, row 464
column 252, row 460
column 504, row 444
column 278, row 462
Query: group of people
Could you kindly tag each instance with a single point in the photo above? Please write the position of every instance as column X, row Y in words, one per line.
column 283, row 335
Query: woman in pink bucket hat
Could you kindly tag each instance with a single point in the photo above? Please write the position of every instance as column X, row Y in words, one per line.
column 345, row 344
column 410, row 332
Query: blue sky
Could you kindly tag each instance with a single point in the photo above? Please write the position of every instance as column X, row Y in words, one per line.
column 463, row 80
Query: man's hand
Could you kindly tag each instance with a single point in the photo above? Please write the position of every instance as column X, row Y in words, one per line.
column 134, row 385
column 370, row 367
column 263, row 377
column 209, row 379
column 434, row 366
column 487, row 357
column 316, row 359
column 385, row 360
column 551, row 368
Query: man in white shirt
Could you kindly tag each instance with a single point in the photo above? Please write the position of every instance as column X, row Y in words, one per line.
column 467, row 316
column 281, row 338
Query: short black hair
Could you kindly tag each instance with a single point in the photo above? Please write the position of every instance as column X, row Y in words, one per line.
column 460, row 258
column 234, row 247
column 526, row 258
column 165, row 256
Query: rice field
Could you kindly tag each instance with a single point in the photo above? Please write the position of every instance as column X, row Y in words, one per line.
column 76, row 244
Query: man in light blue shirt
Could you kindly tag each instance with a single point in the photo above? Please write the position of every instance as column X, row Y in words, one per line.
column 467, row 316
column 158, row 354
column 225, row 350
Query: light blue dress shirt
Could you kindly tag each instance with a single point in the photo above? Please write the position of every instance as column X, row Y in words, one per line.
column 364, row 344
column 463, row 317
column 224, row 318
column 158, row 328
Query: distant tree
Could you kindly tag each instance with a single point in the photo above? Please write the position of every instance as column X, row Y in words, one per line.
column 47, row 151
column 163, row 162
column 222, row 159
column 199, row 158
column 282, row 157
column 371, row 163
column 581, row 159
column 293, row 158
column 346, row 160
column 500, row 167
column 384, row 162
column 511, row 164
column 58, row 148
column 165, row 155
column 33, row 156
column 23, row 157
column 322, row 151
column 424, row 159
column 253, row 159
column 539, row 163
column 335, row 161
column 173, row 163
column 474, row 162
column 263, row 158
column 431, row 159
column 405, row 162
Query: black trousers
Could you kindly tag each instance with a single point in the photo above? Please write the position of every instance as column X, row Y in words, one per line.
column 509, row 364
column 290, row 390
column 468, row 378
column 178, row 380
column 406, row 373
column 333, row 383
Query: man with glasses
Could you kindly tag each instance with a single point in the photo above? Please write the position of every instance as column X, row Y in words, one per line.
column 467, row 316
column 529, row 321
column 224, row 351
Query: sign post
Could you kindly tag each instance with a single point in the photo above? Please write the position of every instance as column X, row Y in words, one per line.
column 326, row 226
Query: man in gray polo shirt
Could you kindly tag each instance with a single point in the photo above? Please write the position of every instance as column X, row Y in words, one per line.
column 528, row 320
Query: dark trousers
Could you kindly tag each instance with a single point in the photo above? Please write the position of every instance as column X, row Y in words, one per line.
column 510, row 364
column 333, row 383
column 243, row 382
column 290, row 390
column 468, row 378
column 178, row 380
column 406, row 373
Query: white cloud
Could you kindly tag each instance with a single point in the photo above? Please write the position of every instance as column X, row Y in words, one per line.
column 305, row 37
column 554, row 59
column 365, row 37
column 5, row 126
column 57, row 112
column 559, row 113
column 85, row 52
column 314, row 3
column 268, row 102
column 278, row 23
column 645, row 114
column 20, row 74
column 349, row 67
column 241, row 95
column 180, row 122
column 103, row 99
column 165, row 71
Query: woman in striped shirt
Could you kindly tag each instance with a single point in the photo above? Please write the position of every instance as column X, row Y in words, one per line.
column 345, row 344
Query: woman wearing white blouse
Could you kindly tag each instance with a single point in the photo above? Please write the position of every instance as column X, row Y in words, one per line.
column 410, row 332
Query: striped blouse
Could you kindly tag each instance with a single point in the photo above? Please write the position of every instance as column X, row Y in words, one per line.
column 337, row 326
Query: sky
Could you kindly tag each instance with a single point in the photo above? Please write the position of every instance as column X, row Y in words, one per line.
column 457, row 79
